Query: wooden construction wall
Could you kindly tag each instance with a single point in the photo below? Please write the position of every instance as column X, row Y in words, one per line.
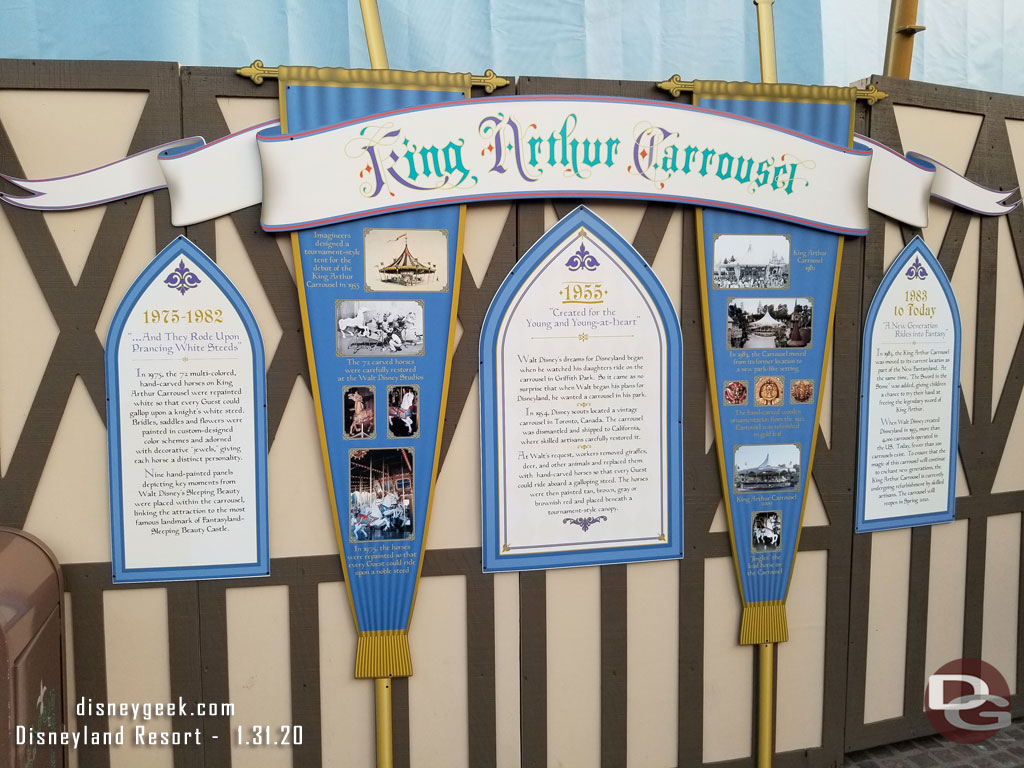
column 633, row 665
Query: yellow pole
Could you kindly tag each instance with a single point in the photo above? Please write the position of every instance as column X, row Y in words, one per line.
column 899, row 43
column 382, row 685
column 766, row 41
column 764, row 705
column 374, row 34
column 385, row 757
column 765, row 691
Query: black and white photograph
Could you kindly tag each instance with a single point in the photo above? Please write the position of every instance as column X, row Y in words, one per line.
column 766, row 532
column 780, row 322
column 381, row 494
column 751, row 261
column 403, row 410
column 772, row 467
column 374, row 328
column 406, row 259
column 360, row 423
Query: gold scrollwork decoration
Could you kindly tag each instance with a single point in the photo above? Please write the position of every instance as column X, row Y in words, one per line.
column 675, row 86
column 871, row 94
column 256, row 72
column 489, row 81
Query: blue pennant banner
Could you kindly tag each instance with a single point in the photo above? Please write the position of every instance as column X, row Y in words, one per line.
column 909, row 397
column 768, row 291
column 580, row 391
column 377, row 297
column 186, row 425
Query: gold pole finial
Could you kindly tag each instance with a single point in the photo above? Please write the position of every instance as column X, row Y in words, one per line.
column 899, row 43
column 766, row 41
column 374, row 34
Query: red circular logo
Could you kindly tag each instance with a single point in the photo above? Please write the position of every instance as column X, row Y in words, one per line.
column 967, row 701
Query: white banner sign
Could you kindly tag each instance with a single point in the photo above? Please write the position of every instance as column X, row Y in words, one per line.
column 910, row 397
column 539, row 146
column 186, row 425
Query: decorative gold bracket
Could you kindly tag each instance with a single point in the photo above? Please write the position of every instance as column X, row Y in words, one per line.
column 257, row 73
column 675, row 87
column 489, row 81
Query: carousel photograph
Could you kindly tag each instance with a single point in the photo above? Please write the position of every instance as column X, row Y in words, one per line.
column 406, row 259
column 769, row 323
column 403, row 411
column 359, row 414
column 373, row 328
column 766, row 467
column 751, row 261
column 381, row 494
column 766, row 532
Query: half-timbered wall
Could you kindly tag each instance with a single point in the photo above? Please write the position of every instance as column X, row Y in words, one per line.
column 629, row 665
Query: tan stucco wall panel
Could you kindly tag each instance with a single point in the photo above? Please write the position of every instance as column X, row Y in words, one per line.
column 138, row 671
column 800, row 695
column 652, row 680
column 259, row 670
column 574, row 666
column 887, row 624
column 438, row 722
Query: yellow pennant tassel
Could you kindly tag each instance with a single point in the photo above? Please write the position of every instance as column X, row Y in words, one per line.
column 383, row 654
column 764, row 623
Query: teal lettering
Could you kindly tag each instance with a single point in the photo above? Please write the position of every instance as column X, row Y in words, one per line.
column 745, row 177
column 534, row 143
column 762, row 173
column 670, row 158
column 691, row 152
column 708, row 154
column 453, row 161
column 613, row 147
column 587, row 159
column 792, row 178
column 776, row 184
column 724, row 174
column 429, row 154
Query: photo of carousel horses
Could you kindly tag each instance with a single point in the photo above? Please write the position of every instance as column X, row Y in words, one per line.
column 403, row 411
column 381, row 494
column 766, row 532
column 359, row 415
column 375, row 328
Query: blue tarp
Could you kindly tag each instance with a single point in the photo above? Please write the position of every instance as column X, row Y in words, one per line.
column 972, row 44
